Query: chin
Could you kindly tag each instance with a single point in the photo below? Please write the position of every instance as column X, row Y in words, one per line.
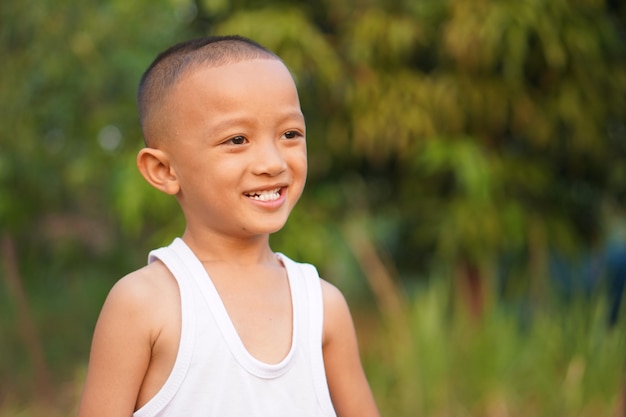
column 268, row 228
column 267, row 224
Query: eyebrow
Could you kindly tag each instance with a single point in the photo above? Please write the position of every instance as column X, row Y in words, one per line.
column 294, row 115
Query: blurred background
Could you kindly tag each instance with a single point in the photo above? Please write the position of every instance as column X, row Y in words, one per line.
column 467, row 189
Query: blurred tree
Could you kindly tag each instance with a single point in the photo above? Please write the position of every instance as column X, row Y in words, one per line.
column 458, row 131
column 445, row 136
column 69, row 117
column 452, row 132
column 69, row 125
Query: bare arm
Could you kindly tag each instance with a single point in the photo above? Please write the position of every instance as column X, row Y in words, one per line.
column 349, row 390
column 120, row 352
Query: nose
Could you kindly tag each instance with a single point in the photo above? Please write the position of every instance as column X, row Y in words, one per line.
column 268, row 159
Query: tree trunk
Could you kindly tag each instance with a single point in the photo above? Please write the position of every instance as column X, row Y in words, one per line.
column 471, row 289
column 27, row 328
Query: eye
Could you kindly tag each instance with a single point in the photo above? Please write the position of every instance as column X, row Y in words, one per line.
column 237, row 140
column 292, row 134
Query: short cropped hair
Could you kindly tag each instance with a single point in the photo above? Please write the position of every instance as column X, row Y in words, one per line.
column 170, row 66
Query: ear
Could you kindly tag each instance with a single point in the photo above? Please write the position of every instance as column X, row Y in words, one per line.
column 155, row 166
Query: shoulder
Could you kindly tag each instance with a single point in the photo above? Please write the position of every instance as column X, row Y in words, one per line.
column 143, row 296
column 333, row 298
column 137, row 310
column 337, row 318
column 143, row 285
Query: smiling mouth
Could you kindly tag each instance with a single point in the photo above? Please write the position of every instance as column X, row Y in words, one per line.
column 269, row 195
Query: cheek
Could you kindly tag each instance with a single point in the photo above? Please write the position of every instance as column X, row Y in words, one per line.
column 300, row 172
column 305, row 169
column 204, row 176
column 299, row 161
column 303, row 162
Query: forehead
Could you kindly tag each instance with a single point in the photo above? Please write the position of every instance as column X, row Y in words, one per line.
column 264, row 83
column 239, row 77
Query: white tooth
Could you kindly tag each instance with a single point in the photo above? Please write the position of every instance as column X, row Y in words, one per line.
column 266, row 195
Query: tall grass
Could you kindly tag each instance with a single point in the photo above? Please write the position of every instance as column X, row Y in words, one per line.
column 559, row 360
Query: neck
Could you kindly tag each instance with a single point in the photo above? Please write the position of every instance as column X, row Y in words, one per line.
column 210, row 247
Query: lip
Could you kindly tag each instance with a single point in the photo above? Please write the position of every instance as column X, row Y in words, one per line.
column 269, row 187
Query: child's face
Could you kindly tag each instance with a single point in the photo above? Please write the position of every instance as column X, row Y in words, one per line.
column 238, row 147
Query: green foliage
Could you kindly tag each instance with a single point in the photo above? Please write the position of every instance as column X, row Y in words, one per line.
column 471, row 121
column 558, row 360
column 69, row 117
column 452, row 132
column 562, row 360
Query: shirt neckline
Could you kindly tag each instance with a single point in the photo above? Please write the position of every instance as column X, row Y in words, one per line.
column 227, row 328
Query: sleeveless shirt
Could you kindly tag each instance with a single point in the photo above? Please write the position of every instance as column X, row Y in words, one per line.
column 215, row 375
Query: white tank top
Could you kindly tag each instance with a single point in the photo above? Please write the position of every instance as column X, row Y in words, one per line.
column 214, row 374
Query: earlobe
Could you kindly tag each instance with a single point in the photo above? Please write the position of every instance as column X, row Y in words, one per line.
column 154, row 165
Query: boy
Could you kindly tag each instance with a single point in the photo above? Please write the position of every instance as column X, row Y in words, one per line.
column 217, row 324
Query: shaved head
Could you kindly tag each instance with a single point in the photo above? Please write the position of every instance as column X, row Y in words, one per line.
column 173, row 64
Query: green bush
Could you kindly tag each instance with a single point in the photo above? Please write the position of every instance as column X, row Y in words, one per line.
column 563, row 360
